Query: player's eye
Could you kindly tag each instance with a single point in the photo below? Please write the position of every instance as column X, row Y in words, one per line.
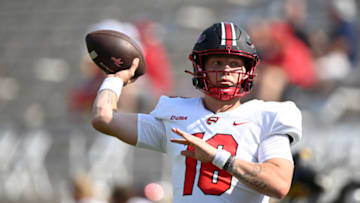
column 217, row 62
column 235, row 64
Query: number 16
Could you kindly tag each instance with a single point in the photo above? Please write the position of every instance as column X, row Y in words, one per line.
column 212, row 180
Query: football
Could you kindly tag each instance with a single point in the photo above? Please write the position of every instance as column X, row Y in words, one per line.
column 113, row 51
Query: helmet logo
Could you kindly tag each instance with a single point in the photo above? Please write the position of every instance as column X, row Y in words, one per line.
column 201, row 38
column 248, row 41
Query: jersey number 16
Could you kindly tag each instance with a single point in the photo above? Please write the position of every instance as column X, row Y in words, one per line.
column 212, row 180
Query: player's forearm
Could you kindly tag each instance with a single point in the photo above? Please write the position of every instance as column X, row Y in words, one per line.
column 265, row 178
column 107, row 120
column 103, row 110
column 106, row 103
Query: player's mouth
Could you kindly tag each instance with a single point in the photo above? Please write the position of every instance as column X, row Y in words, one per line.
column 225, row 83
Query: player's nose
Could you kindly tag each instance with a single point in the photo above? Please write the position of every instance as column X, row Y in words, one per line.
column 227, row 70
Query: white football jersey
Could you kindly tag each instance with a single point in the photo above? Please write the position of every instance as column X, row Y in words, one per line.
column 240, row 131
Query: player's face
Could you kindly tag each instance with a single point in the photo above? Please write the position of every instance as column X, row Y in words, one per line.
column 225, row 71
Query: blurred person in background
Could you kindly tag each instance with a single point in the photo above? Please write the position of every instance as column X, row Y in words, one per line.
column 127, row 194
column 121, row 194
column 286, row 60
column 83, row 190
column 338, row 57
column 295, row 12
column 305, row 184
column 343, row 34
column 158, row 69
column 222, row 150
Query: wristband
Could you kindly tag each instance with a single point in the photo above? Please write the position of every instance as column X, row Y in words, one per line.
column 221, row 158
column 229, row 163
column 114, row 84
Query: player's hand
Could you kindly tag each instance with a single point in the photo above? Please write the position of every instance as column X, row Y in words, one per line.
column 127, row 74
column 202, row 150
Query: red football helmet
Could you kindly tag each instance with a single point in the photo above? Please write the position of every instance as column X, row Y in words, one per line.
column 224, row 38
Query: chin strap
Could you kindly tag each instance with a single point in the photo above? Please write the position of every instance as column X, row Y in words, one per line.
column 223, row 94
column 189, row 72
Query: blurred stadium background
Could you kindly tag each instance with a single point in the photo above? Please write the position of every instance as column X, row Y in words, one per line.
column 44, row 144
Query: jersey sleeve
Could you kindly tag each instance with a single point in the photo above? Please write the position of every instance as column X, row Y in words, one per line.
column 151, row 133
column 288, row 121
column 277, row 146
column 163, row 108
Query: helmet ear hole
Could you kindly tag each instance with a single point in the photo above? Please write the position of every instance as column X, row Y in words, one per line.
column 198, row 81
column 249, row 63
column 195, row 81
column 246, row 86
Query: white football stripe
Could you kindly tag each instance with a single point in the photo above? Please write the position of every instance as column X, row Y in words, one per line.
column 223, row 34
column 93, row 54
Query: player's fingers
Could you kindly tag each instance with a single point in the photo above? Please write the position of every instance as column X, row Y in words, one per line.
column 181, row 133
column 188, row 153
column 111, row 75
column 177, row 131
column 178, row 141
column 134, row 65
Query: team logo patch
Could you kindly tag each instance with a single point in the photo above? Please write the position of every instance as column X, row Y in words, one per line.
column 212, row 119
column 117, row 61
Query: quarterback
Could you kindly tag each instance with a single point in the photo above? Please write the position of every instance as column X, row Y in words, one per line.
column 222, row 150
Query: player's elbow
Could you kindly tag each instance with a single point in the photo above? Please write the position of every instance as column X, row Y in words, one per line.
column 100, row 121
column 281, row 191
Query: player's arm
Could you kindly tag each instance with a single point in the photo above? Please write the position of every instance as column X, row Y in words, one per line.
column 272, row 177
column 105, row 117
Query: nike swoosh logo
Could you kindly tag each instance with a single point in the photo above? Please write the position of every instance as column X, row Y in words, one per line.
column 239, row 123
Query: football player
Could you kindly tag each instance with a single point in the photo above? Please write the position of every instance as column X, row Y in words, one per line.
column 222, row 150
